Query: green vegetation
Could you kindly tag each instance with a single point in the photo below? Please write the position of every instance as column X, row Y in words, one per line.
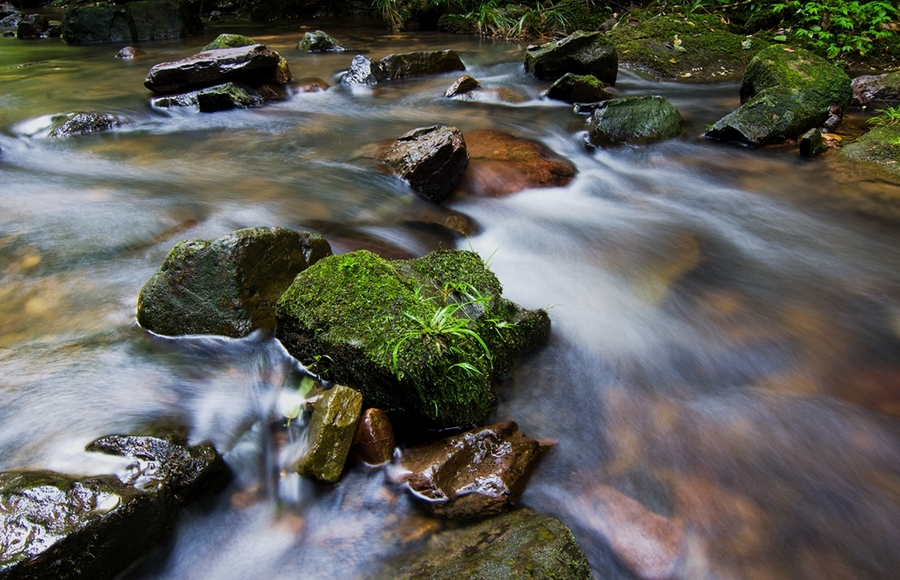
column 888, row 116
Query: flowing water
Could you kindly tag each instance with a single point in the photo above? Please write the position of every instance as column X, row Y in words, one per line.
column 726, row 322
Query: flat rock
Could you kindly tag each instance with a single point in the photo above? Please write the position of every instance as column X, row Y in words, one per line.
column 432, row 159
column 582, row 53
column 364, row 70
column 330, row 434
column 252, row 65
column 634, row 120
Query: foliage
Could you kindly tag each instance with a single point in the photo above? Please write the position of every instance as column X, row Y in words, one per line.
column 888, row 116
column 838, row 26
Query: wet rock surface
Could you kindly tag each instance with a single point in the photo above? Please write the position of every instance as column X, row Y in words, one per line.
column 480, row 472
column 783, row 95
column 227, row 286
column 330, row 434
column 432, row 159
column 462, row 85
column 365, row 71
column 83, row 123
column 517, row 545
column 253, row 65
column 373, row 441
column 502, row 164
column 884, row 88
column 132, row 22
column 572, row 88
column 318, row 41
column 634, row 120
column 878, row 150
column 581, row 53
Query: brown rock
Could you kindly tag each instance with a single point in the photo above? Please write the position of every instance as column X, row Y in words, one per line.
column 502, row 164
column 432, row 159
column 474, row 474
column 253, row 65
column 374, row 438
column 463, row 84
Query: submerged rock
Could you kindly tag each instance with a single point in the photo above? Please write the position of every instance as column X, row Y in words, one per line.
column 129, row 52
column 364, row 70
column 83, row 123
column 318, row 41
column 373, row 441
column 582, row 53
column 421, row 338
column 462, row 85
column 634, row 120
column 229, row 41
column 473, row 474
column 432, row 159
column 131, row 22
column 516, row 545
column 783, row 95
column 869, row 89
column 572, row 88
column 330, row 434
column 228, row 286
column 253, row 65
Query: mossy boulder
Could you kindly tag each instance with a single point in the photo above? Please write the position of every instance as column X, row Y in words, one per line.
column 572, row 88
column 318, row 41
column 229, row 41
column 878, row 150
column 83, row 123
column 634, row 120
column 516, row 545
column 330, row 434
column 423, row 338
column 227, row 286
column 699, row 47
column 582, row 53
column 783, row 95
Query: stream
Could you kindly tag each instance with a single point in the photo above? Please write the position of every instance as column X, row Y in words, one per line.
column 725, row 342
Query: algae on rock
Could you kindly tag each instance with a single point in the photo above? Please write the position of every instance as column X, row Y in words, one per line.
column 424, row 338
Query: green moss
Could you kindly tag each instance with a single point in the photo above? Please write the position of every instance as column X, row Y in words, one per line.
column 699, row 47
column 879, row 150
column 229, row 41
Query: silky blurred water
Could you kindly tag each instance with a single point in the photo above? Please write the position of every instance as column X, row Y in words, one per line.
column 726, row 322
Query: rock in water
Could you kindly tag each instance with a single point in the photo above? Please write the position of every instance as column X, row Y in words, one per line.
column 318, row 41
column 581, row 53
column 252, row 65
column 517, row 545
column 229, row 41
column 634, row 120
column 783, row 95
column 83, row 123
column 878, row 151
column 330, row 434
column 227, row 96
column 374, row 438
column 869, row 89
column 572, row 88
column 462, row 85
column 417, row 64
column 474, row 474
column 432, row 159
column 421, row 338
column 228, row 286
column 363, row 71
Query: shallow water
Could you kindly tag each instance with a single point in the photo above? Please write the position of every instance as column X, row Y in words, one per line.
column 726, row 322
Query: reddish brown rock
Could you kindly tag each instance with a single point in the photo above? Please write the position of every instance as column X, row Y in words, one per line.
column 501, row 164
column 474, row 474
column 374, row 438
column 432, row 159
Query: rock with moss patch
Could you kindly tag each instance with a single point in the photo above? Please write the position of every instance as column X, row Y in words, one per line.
column 74, row 124
column 634, row 120
column 252, row 65
column 229, row 41
column 423, row 338
column 878, row 150
column 572, row 88
column 581, row 53
column 869, row 89
column 516, row 545
column 783, row 95
column 228, row 286
column 318, row 41
column 330, row 434
column 432, row 159
column 224, row 97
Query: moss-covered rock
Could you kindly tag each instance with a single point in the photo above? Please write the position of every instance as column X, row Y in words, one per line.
column 74, row 124
column 582, row 53
column 697, row 48
column 572, row 88
column 330, row 434
column 634, row 120
column 422, row 338
column 226, row 97
column 878, row 150
column 516, row 545
column 318, row 41
column 229, row 41
column 227, row 286
column 783, row 95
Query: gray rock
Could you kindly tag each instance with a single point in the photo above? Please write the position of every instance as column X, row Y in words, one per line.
column 462, row 85
column 581, row 53
column 433, row 160
column 251, row 65
column 83, row 123
column 869, row 89
column 132, row 22
column 811, row 143
column 318, row 41
column 363, row 71
column 227, row 286
column 572, row 88
column 474, row 474
column 330, row 434
column 634, row 120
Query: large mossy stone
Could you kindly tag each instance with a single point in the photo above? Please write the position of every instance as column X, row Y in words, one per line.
column 634, row 120
column 878, row 150
column 226, row 97
column 581, row 53
column 318, row 41
column 228, row 286
column 229, row 41
column 516, row 545
column 132, row 22
column 783, row 95
column 421, row 338
column 330, row 434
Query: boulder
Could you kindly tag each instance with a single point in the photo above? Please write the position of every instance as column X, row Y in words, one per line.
column 516, row 545
column 253, row 65
column 229, row 41
column 422, row 338
column 373, row 441
column 227, row 96
column 432, row 159
column 572, row 88
column 10, row 21
column 582, row 53
column 131, row 22
column 634, row 120
column 226, row 286
column 868, row 89
column 474, row 474
column 783, row 95
column 318, row 41
column 60, row 526
column 27, row 31
column 330, row 434
column 74, row 124
column 462, row 85
column 365, row 71
column 878, row 151
column 501, row 164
